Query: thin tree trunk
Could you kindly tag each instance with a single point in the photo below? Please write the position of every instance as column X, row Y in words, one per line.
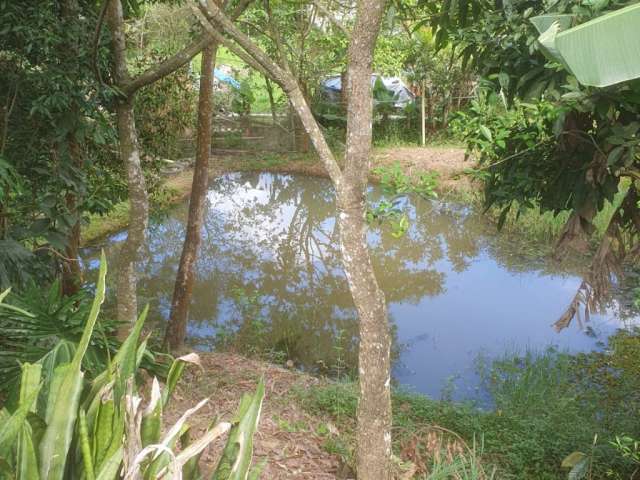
column 374, row 364
column 423, row 114
column 71, row 271
column 374, row 408
column 177, row 327
column 126, row 286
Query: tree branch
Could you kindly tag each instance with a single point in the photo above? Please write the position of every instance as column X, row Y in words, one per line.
column 179, row 59
column 167, row 66
column 212, row 14
column 327, row 14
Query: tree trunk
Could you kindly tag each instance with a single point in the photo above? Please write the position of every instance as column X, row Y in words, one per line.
column 374, row 364
column 71, row 272
column 126, row 287
column 177, row 327
column 272, row 103
column 127, row 304
column 374, row 408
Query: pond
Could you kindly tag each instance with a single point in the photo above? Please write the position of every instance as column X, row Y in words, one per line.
column 270, row 282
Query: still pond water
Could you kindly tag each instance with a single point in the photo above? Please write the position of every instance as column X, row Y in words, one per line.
column 270, row 282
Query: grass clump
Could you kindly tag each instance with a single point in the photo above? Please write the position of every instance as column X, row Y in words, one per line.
column 545, row 406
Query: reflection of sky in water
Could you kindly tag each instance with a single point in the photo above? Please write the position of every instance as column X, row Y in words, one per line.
column 455, row 290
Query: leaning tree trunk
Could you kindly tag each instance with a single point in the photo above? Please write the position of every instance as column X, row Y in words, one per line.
column 374, row 363
column 177, row 327
column 374, row 409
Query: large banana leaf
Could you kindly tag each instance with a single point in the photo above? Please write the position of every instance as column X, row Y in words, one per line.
column 601, row 52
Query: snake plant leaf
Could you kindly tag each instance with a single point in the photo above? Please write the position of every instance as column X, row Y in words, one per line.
column 126, row 358
column 194, row 449
column 29, row 383
column 85, row 446
column 110, row 468
column 64, row 399
column 151, row 425
column 236, row 456
column 123, row 365
column 26, row 459
column 175, row 372
column 12, row 426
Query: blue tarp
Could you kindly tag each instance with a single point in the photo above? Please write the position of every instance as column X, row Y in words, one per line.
column 332, row 86
column 223, row 77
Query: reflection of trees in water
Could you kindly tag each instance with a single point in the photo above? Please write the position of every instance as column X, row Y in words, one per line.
column 275, row 236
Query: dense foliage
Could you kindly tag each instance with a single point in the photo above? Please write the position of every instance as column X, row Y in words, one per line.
column 56, row 163
column 543, row 139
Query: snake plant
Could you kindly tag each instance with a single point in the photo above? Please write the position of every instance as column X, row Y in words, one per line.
column 64, row 427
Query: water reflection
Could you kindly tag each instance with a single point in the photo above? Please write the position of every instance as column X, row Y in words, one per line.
column 269, row 280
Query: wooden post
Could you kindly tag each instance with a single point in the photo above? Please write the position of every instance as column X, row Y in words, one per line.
column 422, row 113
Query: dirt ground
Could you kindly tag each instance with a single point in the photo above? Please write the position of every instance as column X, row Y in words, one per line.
column 286, row 436
column 448, row 162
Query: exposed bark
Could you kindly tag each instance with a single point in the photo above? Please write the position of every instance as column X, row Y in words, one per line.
column 177, row 327
column 127, row 305
column 71, row 271
column 374, row 364
column 374, row 410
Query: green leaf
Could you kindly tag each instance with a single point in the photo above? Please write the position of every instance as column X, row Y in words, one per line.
column 236, row 456
column 486, row 132
column 12, row 426
column 26, row 461
column 615, row 155
column 605, row 50
column 64, row 399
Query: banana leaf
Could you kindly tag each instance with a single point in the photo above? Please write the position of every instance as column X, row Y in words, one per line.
column 601, row 52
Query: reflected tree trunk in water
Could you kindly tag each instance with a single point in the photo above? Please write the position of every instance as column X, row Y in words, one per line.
column 177, row 327
column 374, row 409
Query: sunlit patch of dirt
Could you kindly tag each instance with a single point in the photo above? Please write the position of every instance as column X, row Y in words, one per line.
column 448, row 162
column 286, row 435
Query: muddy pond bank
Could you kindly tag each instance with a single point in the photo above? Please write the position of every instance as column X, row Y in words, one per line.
column 447, row 162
